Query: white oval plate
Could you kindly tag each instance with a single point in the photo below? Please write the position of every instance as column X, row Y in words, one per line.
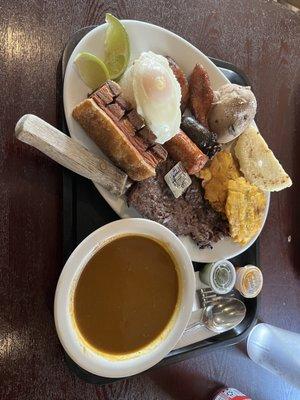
column 144, row 37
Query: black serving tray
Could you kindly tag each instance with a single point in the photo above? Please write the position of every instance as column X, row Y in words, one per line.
column 84, row 210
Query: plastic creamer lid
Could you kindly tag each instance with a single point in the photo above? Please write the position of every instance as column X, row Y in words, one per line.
column 249, row 281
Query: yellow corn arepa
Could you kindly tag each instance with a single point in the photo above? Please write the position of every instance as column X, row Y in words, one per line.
column 216, row 178
column 244, row 209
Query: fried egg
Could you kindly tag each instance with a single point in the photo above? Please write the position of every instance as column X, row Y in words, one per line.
column 127, row 86
column 151, row 86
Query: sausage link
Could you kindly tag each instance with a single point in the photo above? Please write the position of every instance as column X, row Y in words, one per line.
column 181, row 148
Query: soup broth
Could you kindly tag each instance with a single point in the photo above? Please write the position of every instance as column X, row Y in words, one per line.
column 126, row 295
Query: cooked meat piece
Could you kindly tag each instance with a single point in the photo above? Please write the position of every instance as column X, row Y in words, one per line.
column 116, row 110
column 147, row 135
column 182, row 80
column 126, row 127
column 189, row 215
column 151, row 158
column 160, row 152
column 201, row 94
column 105, row 94
column 181, row 148
column 123, row 103
column 115, row 88
column 105, row 107
column 201, row 136
column 138, row 143
column 136, row 120
column 108, row 97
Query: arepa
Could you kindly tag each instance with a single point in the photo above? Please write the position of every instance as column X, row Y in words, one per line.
column 258, row 163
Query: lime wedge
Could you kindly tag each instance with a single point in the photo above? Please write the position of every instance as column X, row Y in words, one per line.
column 91, row 69
column 116, row 47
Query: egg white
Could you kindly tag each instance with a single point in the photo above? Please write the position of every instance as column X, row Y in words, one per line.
column 152, row 87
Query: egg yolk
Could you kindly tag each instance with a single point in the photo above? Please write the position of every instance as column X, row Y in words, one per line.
column 157, row 86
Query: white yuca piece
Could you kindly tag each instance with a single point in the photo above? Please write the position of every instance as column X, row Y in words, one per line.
column 258, row 163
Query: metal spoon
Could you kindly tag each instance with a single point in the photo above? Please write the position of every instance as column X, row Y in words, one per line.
column 220, row 316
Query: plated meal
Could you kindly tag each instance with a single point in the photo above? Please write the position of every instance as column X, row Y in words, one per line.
column 196, row 161
column 164, row 136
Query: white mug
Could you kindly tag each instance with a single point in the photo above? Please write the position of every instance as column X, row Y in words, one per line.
column 84, row 356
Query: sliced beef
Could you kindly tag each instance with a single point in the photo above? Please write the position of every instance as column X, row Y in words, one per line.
column 189, row 215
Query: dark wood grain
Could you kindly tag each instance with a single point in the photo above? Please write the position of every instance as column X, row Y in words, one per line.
column 260, row 37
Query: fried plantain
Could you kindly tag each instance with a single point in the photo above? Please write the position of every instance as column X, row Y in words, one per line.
column 201, row 94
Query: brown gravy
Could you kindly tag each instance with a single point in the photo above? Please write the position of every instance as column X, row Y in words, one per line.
column 126, row 295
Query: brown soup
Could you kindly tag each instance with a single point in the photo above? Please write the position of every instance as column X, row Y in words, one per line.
column 126, row 295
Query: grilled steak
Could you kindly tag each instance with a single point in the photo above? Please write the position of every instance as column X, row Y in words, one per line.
column 189, row 215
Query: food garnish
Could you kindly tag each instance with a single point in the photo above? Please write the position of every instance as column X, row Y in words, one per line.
column 201, row 136
column 244, row 209
column 258, row 163
column 91, row 69
column 233, row 110
column 216, row 177
column 117, row 49
column 201, row 94
column 156, row 92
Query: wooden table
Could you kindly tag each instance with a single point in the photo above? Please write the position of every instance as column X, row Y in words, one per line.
column 261, row 38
